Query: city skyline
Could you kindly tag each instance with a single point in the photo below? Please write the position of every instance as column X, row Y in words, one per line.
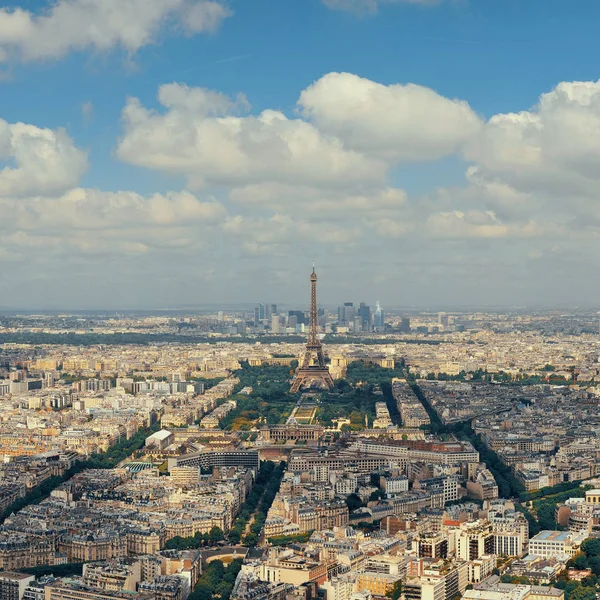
column 189, row 410
column 139, row 449
column 434, row 153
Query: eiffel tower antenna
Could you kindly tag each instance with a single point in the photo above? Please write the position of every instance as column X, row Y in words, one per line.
column 312, row 371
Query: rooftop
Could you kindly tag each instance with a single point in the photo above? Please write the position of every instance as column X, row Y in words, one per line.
column 551, row 536
column 163, row 434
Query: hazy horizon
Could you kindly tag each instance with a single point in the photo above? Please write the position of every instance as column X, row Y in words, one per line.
column 211, row 308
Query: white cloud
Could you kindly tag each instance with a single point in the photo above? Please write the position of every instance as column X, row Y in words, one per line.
column 319, row 186
column 105, row 236
column 278, row 168
column 393, row 122
column 326, row 204
column 200, row 101
column 458, row 224
column 352, row 130
column 552, row 149
column 83, row 210
column 371, row 6
column 283, row 234
column 41, row 161
column 101, row 25
column 201, row 136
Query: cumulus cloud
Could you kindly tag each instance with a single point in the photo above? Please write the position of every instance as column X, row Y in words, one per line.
column 86, row 230
column 87, row 210
column 282, row 234
column 201, row 135
column 41, row 161
column 333, row 162
column 322, row 186
column 326, row 204
column 395, row 122
column 553, row 148
column 331, row 165
column 371, row 6
column 458, row 224
column 351, row 131
column 101, row 25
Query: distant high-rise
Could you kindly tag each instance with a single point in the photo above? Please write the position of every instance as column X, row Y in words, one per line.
column 275, row 324
column 273, row 309
column 346, row 313
column 300, row 316
column 364, row 312
column 259, row 314
column 323, row 317
column 379, row 317
column 443, row 319
column 405, row 325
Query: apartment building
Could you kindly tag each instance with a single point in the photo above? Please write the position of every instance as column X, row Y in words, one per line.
column 13, row 585
column 550, row 543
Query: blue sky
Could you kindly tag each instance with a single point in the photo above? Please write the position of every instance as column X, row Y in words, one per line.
column 497, row 56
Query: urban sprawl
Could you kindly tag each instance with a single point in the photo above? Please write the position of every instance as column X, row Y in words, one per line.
column 424, row 456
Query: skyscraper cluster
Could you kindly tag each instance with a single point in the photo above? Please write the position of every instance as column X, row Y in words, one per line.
column 264, row 312
column 361, row 318
column 267, row 316
column 350, row 318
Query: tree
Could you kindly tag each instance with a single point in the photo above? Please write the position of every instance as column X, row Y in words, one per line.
column 570, row 586
column 396, row 591
column 223, row 589
column 203, row 538
column 591, row 547
column 583, row 593
column 214, row 574
column 579, row 562
column 285, row 540
column 594, row 564
column 353, row 502
column 65, row 570
column 201, row 592
column 250, row 539
column 376, row 495
column 590, row 581
column 520, row 579
column 216, row 535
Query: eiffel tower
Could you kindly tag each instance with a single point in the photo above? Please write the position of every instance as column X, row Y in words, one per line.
column 312, row 371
